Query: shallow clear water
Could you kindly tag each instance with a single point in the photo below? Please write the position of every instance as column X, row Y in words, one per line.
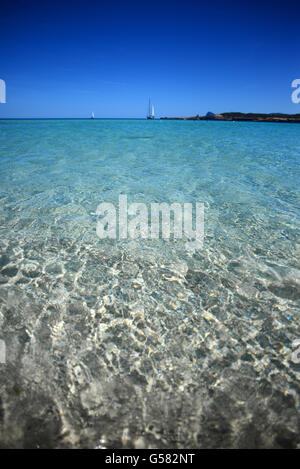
column 139, row 342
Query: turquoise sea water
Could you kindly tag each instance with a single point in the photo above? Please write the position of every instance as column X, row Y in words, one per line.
column 139, row 342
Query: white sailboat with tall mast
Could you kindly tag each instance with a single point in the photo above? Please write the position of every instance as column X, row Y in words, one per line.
column 150, row 114
column 93, row 116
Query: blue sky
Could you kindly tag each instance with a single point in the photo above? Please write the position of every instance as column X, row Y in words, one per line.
column 69, row 58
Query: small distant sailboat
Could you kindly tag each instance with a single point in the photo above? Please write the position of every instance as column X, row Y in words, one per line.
column 150, row 111
column 93, row 116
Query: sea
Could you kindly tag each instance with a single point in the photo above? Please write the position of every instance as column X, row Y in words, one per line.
column 141, row 342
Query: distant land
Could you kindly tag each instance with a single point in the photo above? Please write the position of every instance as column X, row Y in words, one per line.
column 243, row 117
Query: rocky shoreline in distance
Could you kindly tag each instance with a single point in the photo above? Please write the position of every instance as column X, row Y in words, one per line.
column 243, row 117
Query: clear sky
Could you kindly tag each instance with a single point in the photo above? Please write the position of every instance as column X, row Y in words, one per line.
column 69, row 58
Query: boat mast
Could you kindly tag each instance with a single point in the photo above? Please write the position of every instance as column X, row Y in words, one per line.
column 150, row 114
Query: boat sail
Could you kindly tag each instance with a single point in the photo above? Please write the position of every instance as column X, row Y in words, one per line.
column 150, row 111
column 93, row 116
